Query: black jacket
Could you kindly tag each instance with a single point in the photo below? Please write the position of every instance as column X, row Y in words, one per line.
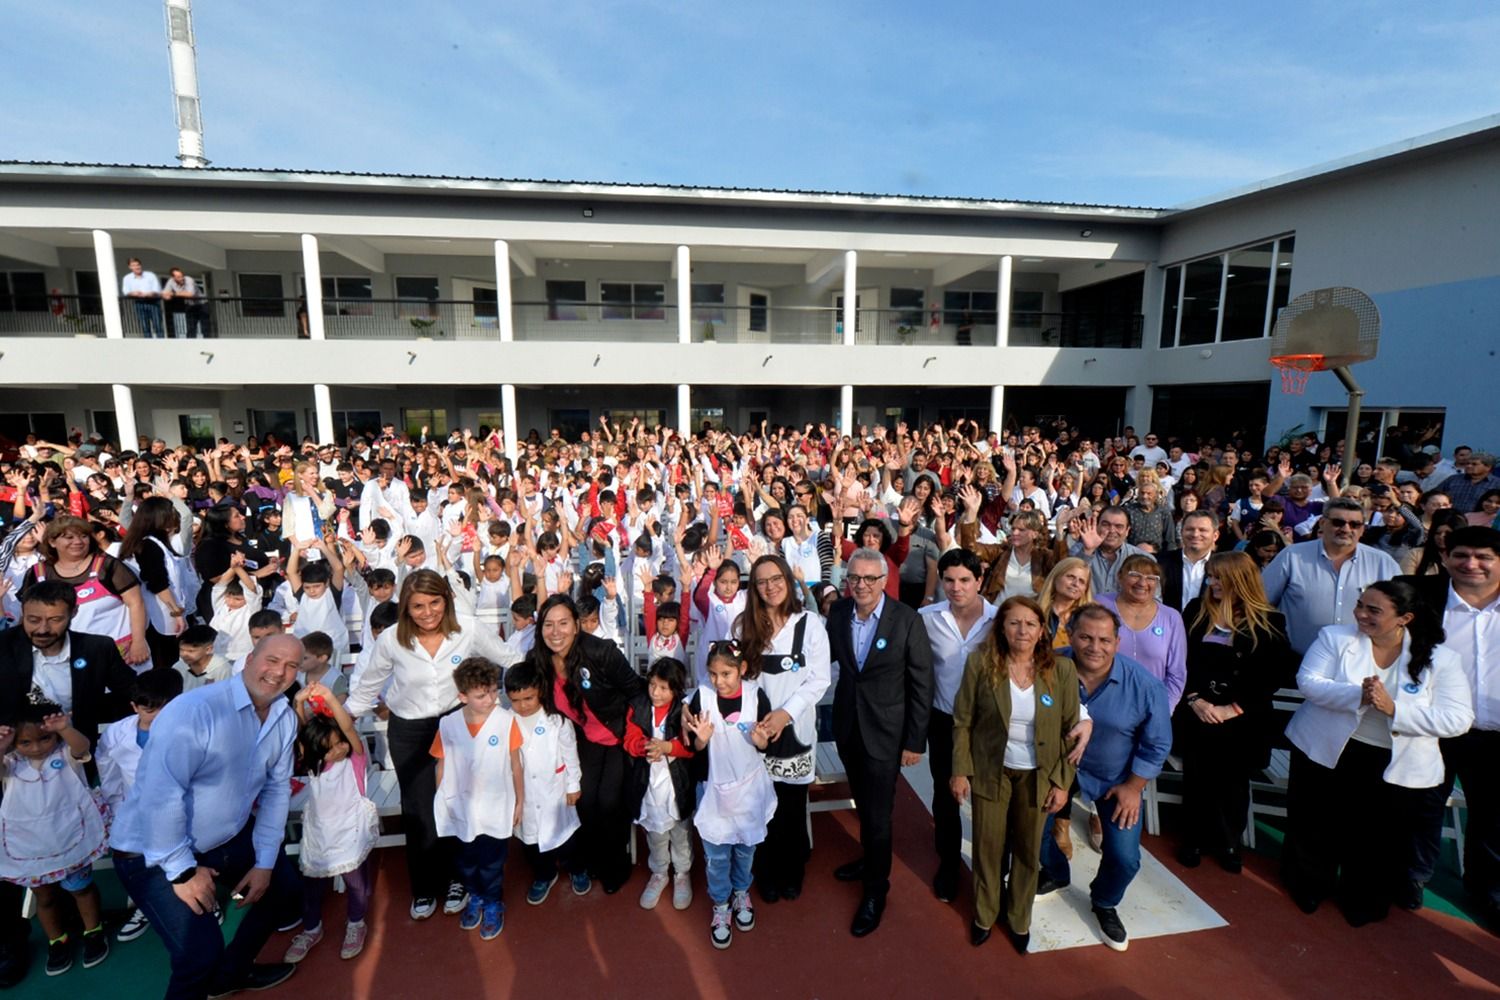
column 888, row 703
column 101, row 679
column 611, row 682
column 684, row 788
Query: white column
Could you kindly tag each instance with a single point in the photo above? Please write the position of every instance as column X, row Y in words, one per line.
column 851, row 281
column 997, row 409
column 508, row 418
column 125, row 415
column 502, row 305
column 684, row 296
column 312, row 272
column 323, row 409
column 846, row 409
column 684, row 410
column 109, row 292
column 1002, row 304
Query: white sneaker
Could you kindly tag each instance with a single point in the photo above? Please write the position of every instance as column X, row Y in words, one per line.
column 682, row 891
column 456, row 898
column 302, row 944
column 744, row 913
column 718, row 929
column 423, row 907
column 133, row 927
column 655, row 886
column 354, row 939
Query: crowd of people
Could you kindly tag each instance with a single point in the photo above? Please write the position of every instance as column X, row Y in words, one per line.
column 641, row 628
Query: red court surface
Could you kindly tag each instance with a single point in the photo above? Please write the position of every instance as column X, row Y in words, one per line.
column 599, row 946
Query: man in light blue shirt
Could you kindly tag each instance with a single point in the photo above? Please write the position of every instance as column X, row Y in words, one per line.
column 1316, row 583
column 186, row 825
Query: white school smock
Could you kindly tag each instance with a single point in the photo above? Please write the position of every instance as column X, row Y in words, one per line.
column 549, row 763
column 118, row 756
column 659, row 813
column 415, row 685
column 477, row 796
column 739, row 797
column 798, row 691
column 156, row 610
column 719, row 625
column 322, row 614
column 340, row 825
column 50, row 823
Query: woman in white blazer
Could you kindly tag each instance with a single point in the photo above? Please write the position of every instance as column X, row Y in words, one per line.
column 1379, row 695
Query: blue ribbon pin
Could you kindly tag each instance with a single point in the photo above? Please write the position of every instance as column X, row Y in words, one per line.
column 879, row 643
column 494, row 741
column 540, row 730
column 743, row 727
column 1047, row 700
column 57, row 763
column 1158, row 630
column 80, row 663
column 1412, row 687
column 457, row 658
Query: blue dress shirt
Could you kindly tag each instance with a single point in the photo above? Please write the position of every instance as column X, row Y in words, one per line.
column 1303, row 584
column 209, row 760
column 864, row 630
column 1132, row 728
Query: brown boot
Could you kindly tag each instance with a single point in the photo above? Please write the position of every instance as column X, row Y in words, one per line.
column 1062, row 833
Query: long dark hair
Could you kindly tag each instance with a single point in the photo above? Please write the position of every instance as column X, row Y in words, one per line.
column 540, row 656
column 1425, row 627
column 312, row 742
column 155, row 518
column 754, row 623
column 1432, row 556
column 216, row 521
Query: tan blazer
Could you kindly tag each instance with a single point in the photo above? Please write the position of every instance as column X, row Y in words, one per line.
column 981, row 725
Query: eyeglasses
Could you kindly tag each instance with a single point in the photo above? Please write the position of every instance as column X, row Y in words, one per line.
column 771, row 581
column 865, row 581
column 1346, row 524
column 1135, row 577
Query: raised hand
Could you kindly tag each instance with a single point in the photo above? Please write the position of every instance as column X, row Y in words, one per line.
column 907, row 512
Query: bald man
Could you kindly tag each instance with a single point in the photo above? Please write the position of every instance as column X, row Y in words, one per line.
column 187, row 825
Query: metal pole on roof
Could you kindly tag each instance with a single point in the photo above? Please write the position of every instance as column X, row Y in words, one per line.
column 184, row 64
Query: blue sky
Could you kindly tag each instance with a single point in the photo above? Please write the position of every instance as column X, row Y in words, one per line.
column 1144, row 104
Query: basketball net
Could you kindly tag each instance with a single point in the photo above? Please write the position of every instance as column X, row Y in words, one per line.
column 1295, row 370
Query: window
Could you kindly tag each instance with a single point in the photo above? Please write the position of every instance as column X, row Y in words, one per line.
column 565, row 300
column 486, row 421
column 486, row 302
column 23, row 291
column 261, row 296
column 282, row 423
column 89, row 301
column 46, row 426
column 908, row 304
column 650, row 418
column 569, row 423
column 1245, row 292
column 978, row 307
column 711, row 415
column 708, row 303
column 1200, row 301
column 627, row 300
column 1227, row 296
column 759, row 319
column 105, row 424
column 436, row 422
column 348, row 297
column 349, row 424
column 416, row 297
column 197, row 429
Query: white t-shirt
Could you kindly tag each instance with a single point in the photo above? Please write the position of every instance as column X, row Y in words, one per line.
column 1020, row 744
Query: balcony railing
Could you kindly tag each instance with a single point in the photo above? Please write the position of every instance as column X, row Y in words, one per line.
column 409, row 319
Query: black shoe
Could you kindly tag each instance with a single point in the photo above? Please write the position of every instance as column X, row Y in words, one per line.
column 1047, row 884
column 1110, row 926
column 260, row 976
column 14, row 961
column 615, row 882
column 1189, row 857
column 1409, row 896
column 1230, row 860
column 978, row 935
column 867, row 917
column 854, row 871
column 945, row 885
column 790, row 891
column 95, row 948
column 1306, row 902
column 1020, row 942
column 769, row 891
column 59, row 956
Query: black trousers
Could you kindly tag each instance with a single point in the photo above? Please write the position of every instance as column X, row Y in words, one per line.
column 781, row 860
column 873, row 785
column 603, row 810
column 1215, row 784
column 947, row 828
column 163, row 648
column 544, row 864
column 14, row 928
column 1474, row 759
column 429, row 858
column 1349, row 833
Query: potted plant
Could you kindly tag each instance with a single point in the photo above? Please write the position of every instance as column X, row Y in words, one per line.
column 708, row 332
column 906, row 333
column 423, row 327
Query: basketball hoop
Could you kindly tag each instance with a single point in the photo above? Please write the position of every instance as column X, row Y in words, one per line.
column 1296, row 369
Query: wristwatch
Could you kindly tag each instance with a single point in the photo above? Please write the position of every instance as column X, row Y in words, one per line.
column 186, row 876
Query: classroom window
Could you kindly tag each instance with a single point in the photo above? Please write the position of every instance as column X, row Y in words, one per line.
column 632, row 300
column 416, row 297
column 566, row 300
column 261, row 296
column 908, row 305
column 978, row 307
column 708, row 303
column 435, row 420
column 23, row 291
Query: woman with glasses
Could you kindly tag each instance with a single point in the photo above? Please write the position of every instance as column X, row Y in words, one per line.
column 792, row 645
column 1237, row 657
column 1151, row 633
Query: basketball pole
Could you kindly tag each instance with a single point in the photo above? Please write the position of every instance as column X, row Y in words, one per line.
column 1351, row 432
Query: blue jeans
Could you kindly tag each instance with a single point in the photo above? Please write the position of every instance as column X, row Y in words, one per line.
column 481, row 866
column 1120, row 860
column 148, row 315
column 201, row 963
column 728, row 869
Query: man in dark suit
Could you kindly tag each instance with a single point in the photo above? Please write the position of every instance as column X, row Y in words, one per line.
column 83, row 673
column 1183, row 569
column 880, row 711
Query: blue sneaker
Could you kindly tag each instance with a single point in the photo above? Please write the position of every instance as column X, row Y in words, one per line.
column 473, row 913
column 494, row 921
column 537, row 894
column 582, row 883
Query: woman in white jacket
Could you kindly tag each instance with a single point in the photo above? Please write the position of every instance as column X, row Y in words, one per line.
column 1379, row 695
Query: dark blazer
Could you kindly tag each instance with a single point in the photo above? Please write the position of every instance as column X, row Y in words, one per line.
column 1171, row 578
column 613, row 683
column 889, row 702
column 101, row 686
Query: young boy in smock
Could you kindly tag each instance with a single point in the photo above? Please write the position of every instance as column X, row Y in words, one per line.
column 481, row 791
